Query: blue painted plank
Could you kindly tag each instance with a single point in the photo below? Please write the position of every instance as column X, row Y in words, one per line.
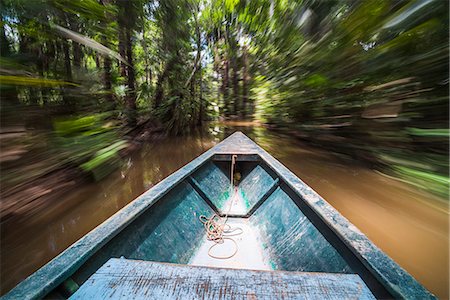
column 292, row 241
column 214, row 184
column 173, row 231
column 128, row 279
column 264, row 197
column 254, row 186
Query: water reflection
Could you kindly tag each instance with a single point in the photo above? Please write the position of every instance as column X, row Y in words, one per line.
column 410, row 225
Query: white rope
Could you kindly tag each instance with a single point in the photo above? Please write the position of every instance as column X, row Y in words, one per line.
column 217, row 229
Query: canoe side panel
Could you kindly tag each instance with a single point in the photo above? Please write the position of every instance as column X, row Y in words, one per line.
column 254, row 186
column 121, row 278
column 292, row 241
column 214, row 184
column 170, row 232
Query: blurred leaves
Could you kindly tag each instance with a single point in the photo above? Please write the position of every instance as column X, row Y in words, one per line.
column 105, row 160
column 429, row 132
column 31, row 81
column 365, row 79
column 425, row 180
column 88, row 42
column 85, row 138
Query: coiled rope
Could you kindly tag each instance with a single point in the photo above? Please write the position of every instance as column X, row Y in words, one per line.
column 217, row 229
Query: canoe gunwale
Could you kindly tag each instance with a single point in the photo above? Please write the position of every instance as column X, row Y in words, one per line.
column 395, row 279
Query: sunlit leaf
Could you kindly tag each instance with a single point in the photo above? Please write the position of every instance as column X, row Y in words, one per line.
column 32, row 81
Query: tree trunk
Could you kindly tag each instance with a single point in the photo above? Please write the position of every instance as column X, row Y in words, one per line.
column 235, row 86
column 198, row 66
column 126, row 20
column 107, row 63
column 245, row 79
column 50, row 55
column 68, row 100
column 77, row 54
column 122, row 49
column 30, row 53
column 67, row 63
column 123, row 23
column 107, row 77
column 8, row 95
column 217, row 68
column 131, row 93
column 5, row 49
column 147, row 63
column 200, row 96
column 225, row 93
column 159, row 92
column 58, row 51
column 41, row 65
column 97, row 61
column 76, row 48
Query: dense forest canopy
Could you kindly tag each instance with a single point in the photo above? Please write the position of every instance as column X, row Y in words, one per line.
column 367, row 79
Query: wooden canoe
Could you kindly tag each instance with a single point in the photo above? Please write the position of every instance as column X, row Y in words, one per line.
column 293, row 245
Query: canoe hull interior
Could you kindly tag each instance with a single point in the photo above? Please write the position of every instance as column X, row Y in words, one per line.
column 277, row 233
column 282, row 235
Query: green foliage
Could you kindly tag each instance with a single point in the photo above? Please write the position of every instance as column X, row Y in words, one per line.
column 364, row 78
column 316, row 80
column 31, row 81
column 104, row 161
column 425, row 180
column 86, row 126
column 92, row 142
column 429, row 132
column 177, row 115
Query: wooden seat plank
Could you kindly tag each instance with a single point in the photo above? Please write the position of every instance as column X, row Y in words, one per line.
column 134, row 279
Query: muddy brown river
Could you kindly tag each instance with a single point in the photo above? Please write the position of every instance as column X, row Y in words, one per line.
column 410, row 225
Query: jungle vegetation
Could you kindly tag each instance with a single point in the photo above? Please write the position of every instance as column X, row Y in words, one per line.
column 366, row 79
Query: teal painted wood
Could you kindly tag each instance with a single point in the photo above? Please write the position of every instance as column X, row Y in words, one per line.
column 246, row 158
column 171, row 232
column 254, row 186
column 264, row 197
column 214, row 184
column 292, row 241
column 128, row 279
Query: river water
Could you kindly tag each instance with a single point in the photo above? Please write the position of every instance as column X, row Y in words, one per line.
column 411, row 226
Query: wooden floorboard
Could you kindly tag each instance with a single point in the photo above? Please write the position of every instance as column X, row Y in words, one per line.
column 134, row 279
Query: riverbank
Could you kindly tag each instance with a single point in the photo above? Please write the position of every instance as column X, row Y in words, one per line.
column 406, row 157
column 37, row 171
